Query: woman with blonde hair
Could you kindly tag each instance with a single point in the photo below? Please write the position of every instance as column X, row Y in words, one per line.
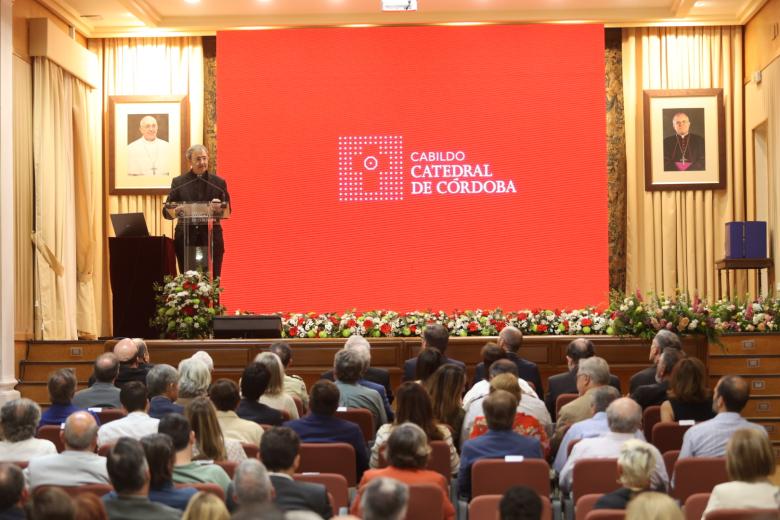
column 206, row 506
column 274, row 395
column 636, row 464
column 210, row 443
column 194, row 380
column 446, row 387
column 653, row 506
column 749, row 463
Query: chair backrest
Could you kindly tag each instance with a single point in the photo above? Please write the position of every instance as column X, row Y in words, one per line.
column 298, row 405
column 606, row 514
column 106, row 415
column 252, row 450
column 594, row 476
column 698, row 475
column 570, row 446
column 208, row 487
column 585, row 505
column 563, row 400
column 485, row 507
column 495, row 476
column 670, row 458
column 440, row 459
column 228, row 465
column 329, row 457
column 743, row 514
column 266, row 427
column 425, row 502
column 98, row 489
column 362, row 417
column 51, row 432
column 668, row 436
column 650, row 417
column 104, row 450
column 695, row 506
column 336, row 485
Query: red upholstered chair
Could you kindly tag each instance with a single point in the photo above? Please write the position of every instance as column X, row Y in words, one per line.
column 606, row 514
column 697, row 475
column 563, row 400
column 668, row 436
column 208, row 487
column 495, row 476
column 485, row 507
column 570, row 446
column 98, row 489
column 594, row 476
column 585, row 505
column 329, row 457
column 336, row 485
column 670, row 458
column 425, row 502
column 252, row 450
column 298, row 405
column 104, row 450
column 362, row 418
column 106, row 415
column 743, row 514
column 695, row 506
column 650, row 417
column 228, row 465
column 51, row 432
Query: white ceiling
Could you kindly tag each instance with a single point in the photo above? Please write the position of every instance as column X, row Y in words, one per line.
column 97, row 18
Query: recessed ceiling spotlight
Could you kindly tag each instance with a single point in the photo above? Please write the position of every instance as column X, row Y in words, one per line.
column 700, row 3
column 192, row 1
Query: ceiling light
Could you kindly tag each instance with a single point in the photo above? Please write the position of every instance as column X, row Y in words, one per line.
column 192, row 1
column 700, row 3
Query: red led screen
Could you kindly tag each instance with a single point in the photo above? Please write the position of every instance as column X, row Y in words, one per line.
column 413, row 167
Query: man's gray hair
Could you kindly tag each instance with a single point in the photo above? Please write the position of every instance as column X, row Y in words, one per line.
column 159, row 378
column 204, row 356
column 665, row 338
column 596, row 369
column 624, row 415
column 19, row 419
column 75, row 437
column 195, row 148
column 251, row 483
column 360, row 345
column 355, row 340
column 603, row 397
column 194, row 378
column 348, row 365
column 384, row 499
column 512, row 338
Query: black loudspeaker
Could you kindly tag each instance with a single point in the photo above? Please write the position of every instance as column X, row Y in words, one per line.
column 255, row 326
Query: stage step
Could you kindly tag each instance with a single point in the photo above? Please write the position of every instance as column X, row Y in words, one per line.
column 38, row 371
column 64, row 351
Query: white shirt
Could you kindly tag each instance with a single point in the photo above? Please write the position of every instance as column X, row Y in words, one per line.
column 135, row 425
column 608, row 447
column 149, row 157
column 529, row 405
column 482, row 388
column 744, row 495
column 25, row 450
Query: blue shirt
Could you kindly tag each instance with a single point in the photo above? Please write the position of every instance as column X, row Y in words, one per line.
column 493, row 445
column 709, row 438
column 160, row 406
column 172, row 496
column 325, row 428
column 57, row 414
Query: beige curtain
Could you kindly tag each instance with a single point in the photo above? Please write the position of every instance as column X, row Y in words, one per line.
column 674, row 238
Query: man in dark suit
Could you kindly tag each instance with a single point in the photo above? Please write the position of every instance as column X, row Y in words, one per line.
column 435, row 336
column 13, row 492
column 378, row 376
column 663, row 339
column 254, row 382
column 198, row 185
column 162, row 382
column 510, row 339
column 321, row 425
column 566, row 383
column 655, row 394
column 279, row 452
column 683, row 151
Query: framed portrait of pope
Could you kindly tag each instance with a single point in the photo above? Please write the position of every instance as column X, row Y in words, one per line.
column 147, row 138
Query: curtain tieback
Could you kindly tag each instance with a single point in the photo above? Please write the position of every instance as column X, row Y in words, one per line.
column 43, row 249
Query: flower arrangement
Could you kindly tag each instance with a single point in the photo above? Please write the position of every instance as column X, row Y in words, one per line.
column 186, row 306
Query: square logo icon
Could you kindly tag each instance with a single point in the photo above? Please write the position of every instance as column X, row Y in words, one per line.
column 371, row 168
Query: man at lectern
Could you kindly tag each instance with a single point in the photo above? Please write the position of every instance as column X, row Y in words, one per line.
column 199, row 185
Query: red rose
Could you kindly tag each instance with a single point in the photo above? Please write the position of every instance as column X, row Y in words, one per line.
column 473, row 326
column 500, row 325
column 485, row 313
column 541, row 327
column 522, row 316
column 367, row 324
column 189, row 311
column 385, row 328
column 351, row 323
column 413, row 328
column 586, row 322
column 293, row 331
column 334, row 320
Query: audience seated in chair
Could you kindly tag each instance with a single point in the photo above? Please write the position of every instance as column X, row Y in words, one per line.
column 129, row 474
column 446, row 388
column 279, row 452
column 566, row 383
column 160, row 456
column 133, row 356
column 162, row 383
column 89, row 506
column 384, row 499
column 375, row 375
column 636, row 465
column 435, row 336
column 348, row 366
column 194, row 380
column 49, row 503
column 750, row 463
column 407, row 454
column 428, row 362
column 103, row 393
column 137, row 423
column 210, row 443
column 254, row 382
column 709, row 438
column 185, row 470
column 624, row 417
column 499, row 365
column 252, row 488
column 653, row 506
column 62, row 387
column 361, row 347
column 655, row 394
column 647, row 376
column 510, row 339
column 414, row 405
column 13, row 491
column 274, row 395
column 19, row 419
column 225, row 396
column 689, row 397
column 321, row 425
column 500, row 409
column 78, row 464
column 292, row 384
column 520, row 503
column 206, row 505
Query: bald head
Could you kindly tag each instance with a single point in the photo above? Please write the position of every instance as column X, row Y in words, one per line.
column 126, row 351
column 510, row 338
column 106, row 367
column 624, row 415
column 80, row 432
